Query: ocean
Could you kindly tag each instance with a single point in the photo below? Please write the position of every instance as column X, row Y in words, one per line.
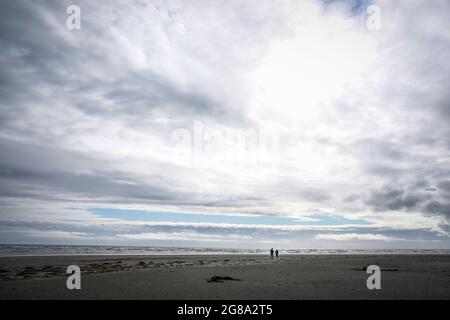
column 65, row 250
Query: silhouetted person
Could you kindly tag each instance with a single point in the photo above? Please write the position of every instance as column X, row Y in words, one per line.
column 271, row 253
column 276, row 253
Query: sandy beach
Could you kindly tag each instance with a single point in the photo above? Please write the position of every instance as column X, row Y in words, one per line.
column 226, row 277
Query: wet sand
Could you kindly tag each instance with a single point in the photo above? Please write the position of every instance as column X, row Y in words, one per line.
column 226, row 277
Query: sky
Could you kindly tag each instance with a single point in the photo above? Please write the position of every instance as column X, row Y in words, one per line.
column 238, row 124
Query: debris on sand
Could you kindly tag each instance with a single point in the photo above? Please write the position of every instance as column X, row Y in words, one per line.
column 389, row 269
column 222, row 279
column 382, row 269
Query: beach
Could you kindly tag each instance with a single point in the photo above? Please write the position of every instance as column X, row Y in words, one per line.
column 226, row 277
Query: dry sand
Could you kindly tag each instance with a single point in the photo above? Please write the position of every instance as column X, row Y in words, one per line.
column 255, row 277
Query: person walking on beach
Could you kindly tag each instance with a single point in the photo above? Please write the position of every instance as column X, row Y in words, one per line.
column 276, row 253
column 271, row 253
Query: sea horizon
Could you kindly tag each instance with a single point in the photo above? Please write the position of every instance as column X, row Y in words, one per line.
column 30, row 250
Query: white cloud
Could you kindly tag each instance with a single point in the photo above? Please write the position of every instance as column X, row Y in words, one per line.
column 185, row 236
column 356, row 237
column 57, row 234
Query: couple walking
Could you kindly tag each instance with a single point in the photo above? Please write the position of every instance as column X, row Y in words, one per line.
column 271, row 253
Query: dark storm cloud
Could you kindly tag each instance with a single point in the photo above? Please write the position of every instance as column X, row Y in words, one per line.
column 53, row 174
column 444, row 186
column 39, row 54
column 411, row 156
column 379, row 149
column 42, row 172
column 33, row 52
column 47, row 74
column 21, row 155
column 438, row 207
column 396, row 199
column 410, row 199
column 82, row 185
column 139, row 95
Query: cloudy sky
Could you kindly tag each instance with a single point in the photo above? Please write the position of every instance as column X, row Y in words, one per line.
column 297, row 124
